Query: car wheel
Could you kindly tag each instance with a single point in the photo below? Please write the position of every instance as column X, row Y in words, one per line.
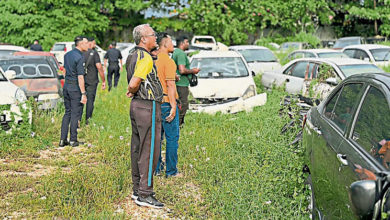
column 312, row 205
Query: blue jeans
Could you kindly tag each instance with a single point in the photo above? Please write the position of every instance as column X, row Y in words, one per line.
column 171, row 130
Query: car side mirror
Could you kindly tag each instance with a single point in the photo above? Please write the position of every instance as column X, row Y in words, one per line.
column 253, row 73
column 363, row 196
column 332, row 81
column 60, row 77
column 10, row 74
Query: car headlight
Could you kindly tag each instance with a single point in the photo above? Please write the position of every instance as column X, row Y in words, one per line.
column 44, row 97
column 250, row 91
column 20, row 96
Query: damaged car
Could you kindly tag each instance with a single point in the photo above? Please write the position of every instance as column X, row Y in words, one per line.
column 225, row 83
column 12, row 99
column 37, row 77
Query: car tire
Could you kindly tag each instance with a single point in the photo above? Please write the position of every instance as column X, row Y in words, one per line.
column 312, row 206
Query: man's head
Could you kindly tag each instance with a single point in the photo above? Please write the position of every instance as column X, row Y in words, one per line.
column 91, row 43
column 113, row 44
column 164, row 42
column 145, row 37
column 182, row 42
column 36, row 42
column 81, row 43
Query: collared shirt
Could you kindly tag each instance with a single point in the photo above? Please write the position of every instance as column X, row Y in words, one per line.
column 181, row 58
column 113, row 55
column 166, row 70
column 140, row 64
column 91, row 58
column 74, row 66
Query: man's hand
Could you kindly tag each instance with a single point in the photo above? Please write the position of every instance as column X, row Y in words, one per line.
column 177, row 78
column 103, row 85
column 83, row 99
column 120, row 69
column 195, row 70
column 129, row 94
column 171, row 115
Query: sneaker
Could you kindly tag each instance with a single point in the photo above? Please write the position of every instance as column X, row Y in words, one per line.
column 149, row 201
column 177, row 174
column 134, row 196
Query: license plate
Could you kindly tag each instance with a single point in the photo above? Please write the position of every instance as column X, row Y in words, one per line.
column 2, row 118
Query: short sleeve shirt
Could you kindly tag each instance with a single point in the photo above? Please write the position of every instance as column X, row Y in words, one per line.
column 113, row 55
column 181, row 58
column 91, row 58
column 166, row 70
column 74, row 66
column 140, row 64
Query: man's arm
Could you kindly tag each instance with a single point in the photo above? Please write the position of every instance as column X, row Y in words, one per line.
column 82, row 89
column 133, row 86
column 105, row 64
column 183, row 70
column 172, row 99
column 121, row 65
column 101, row 73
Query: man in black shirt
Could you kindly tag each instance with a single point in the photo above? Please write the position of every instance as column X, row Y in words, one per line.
column 92, row 67
column 74, row 91
column 36, row 46
column 114, row 57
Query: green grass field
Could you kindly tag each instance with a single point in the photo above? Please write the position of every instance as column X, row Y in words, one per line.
column 234, row 166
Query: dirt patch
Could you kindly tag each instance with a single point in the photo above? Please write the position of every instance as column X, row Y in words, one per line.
column 37, row 170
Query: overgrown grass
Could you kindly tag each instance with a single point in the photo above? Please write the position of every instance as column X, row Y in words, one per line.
column 234, row 166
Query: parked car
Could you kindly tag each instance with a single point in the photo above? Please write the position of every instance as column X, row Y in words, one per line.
column 288, row 46
column 60, row 68
column 224, row 83
column 375, row 53
column 125, row 49
column 347, row 41
column 376, row 39
column 316, row 53
column 37, row 77
column 203, row 42
column 60, row 48
column 297, row 74
column 11, row 100
column 9, row 50
column 259, row 59
column 347, row 142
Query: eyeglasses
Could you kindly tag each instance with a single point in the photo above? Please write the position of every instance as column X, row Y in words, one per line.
column 151, row 35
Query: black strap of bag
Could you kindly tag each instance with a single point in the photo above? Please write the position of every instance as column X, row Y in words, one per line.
column 88, row 61
column 193, row 79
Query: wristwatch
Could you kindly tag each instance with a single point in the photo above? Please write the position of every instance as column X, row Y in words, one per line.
column 84, row 93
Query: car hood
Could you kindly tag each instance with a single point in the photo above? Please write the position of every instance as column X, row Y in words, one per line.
column 7, row 92
column 34, row 87
column 222, row 87
column 261, row 67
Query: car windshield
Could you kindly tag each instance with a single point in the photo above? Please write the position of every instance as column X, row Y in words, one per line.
column 6, row 53
column 346, row 42
column 220, row 67
column 349, row 70
column 28, row 68
column 204, row 41
column 260, row 55
column 332, row 55
column 382, row 54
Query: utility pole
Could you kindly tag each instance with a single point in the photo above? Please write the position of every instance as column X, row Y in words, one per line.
column 375, row 21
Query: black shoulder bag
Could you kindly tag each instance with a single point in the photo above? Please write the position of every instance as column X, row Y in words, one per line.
column 193, row 79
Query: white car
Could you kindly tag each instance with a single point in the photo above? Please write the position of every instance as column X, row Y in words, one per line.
column 61, row 48
column 375, row 53
column 295, row 73
column 224, row 83
column 9, row 50
column 203, row 42
column 259, row 59
column 316, row 53
column 125, row 49
column 10, row 98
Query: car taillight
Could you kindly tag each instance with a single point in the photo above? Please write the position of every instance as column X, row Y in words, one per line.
column 64, row 49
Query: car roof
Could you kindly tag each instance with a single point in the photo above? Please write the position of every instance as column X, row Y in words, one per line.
column 210, row 54
column 33, row 53
column 319, row 51
column 24, row 58
column 246, row 47
column 383, row 77
column 336, row 61
column 349, row 38
column 367, row 46
column 12, row 47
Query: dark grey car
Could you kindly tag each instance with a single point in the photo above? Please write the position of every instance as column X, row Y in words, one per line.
column 347, row 141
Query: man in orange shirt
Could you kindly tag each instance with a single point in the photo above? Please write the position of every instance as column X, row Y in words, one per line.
column 166, row 71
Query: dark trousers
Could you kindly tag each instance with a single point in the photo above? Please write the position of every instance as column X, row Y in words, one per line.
column 113, row 69
column 73, row 107
column 183, row 92
column 91, row 95
column 141, row 124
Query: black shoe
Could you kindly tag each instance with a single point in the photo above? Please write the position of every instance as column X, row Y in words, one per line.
column 109, row 88
column 63, row 143
column 75, row 143
column 134, row 196
column 149, row 201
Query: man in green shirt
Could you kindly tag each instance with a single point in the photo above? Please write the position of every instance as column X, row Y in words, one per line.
column 183, row 69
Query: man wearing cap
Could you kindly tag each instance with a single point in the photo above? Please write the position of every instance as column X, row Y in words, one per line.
column 114, row 57
column 145, row 114
column 74, row 91
column 92, row 67
column 166, row 70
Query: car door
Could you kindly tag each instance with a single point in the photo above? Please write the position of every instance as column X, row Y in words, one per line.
column 295, row 77
column 329, row 128
column 364, row 150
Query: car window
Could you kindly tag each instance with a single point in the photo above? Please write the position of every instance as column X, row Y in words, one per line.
column 382, row 54
column 17, row 69
column 310, row 55
column 227, row 67
column 288, row 70
column 341, row 107
column 372, row 127
column 297, row 55
column 360, row 55
column 312, row 73
column 300, row 69
column 59, row 47
column 45, row 70
column 29, row 70
column 349, row 52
